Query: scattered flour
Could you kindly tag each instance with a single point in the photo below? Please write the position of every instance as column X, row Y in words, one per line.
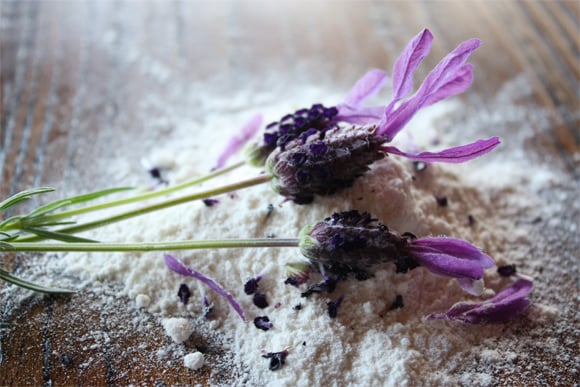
column 193, row 361
column 491, row 203
column 179, row 329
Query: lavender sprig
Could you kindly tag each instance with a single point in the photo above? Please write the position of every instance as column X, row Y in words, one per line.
column 450, row 77
column 352, row 242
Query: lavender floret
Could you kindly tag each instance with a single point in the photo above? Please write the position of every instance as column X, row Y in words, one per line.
column 507, row 270
column 183, row 293
column 263, row 323
column 260, row 300
column 210, row 202
column 251, row 286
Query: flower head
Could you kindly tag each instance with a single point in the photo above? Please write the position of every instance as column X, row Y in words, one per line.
column 323, row 164
column 351, row 243
column 506, row 305
column 450, row 77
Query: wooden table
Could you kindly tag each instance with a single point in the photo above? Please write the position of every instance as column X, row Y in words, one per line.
column 73, row 78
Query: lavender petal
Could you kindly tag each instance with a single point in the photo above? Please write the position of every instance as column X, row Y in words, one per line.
column 455, row 85
column 237, row 141
column 458, row 154
column 407, row 63
column 366, row 87
column 432, row 89
column 177, row 267
column 506, row 305
column 453, row 258
column 360, row 116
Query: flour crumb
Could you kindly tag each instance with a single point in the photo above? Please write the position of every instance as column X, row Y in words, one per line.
column 193, row 361
column 179, row 329
column 142, row 301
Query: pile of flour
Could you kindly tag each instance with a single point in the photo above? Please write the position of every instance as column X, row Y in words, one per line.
column 490, row 203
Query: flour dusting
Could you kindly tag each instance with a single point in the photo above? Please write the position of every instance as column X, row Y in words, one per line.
column 495, row 203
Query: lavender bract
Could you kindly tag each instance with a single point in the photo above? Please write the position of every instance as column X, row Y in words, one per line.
column 351, row 243
column 323, row 165
column 506, row 305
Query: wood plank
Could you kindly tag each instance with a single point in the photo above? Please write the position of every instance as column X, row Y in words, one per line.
column 74, row 74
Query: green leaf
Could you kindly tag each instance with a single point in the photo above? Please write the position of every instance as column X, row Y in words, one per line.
column 59, row 236
column 41, row 222
column 23, row 196
column 57, row 204
column 9, row 221
column 5, row 237
column 6, row 246
column 6, row 276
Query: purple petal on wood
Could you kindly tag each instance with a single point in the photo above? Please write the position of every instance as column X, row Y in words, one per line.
column 366, row 87
column 506, row 305
column 177, row 267
column 237, row 141
column 458, row 154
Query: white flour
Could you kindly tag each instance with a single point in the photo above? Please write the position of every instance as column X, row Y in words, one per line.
column 366, row 344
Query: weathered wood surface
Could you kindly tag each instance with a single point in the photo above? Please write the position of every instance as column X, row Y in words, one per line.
column 72, row 76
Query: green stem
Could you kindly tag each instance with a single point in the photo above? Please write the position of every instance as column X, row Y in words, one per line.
column 154, row 207
column 154, row 246
column 140, row 197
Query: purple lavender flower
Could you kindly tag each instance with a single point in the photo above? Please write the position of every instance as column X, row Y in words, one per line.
column 323, row 165
column 260, row 300
column 450, row 77
column 176, row 266
column 506, row 305
column 210, row 202
column 183, row 293
column 351, row 243
column 263, row 323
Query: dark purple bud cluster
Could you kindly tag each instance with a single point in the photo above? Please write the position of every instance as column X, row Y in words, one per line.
column 323, row 164
column 252, row 287
column 263, row 323
column 302, row 123
column 507, row 270
column 184, row 293
column 351, row 242
column 333, row 307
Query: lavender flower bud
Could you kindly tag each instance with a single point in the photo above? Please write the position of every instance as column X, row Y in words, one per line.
column 350, row 243
column 303, row 122
column 323, row 165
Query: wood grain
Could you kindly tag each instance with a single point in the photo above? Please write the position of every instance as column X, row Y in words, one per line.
column 71, row 99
